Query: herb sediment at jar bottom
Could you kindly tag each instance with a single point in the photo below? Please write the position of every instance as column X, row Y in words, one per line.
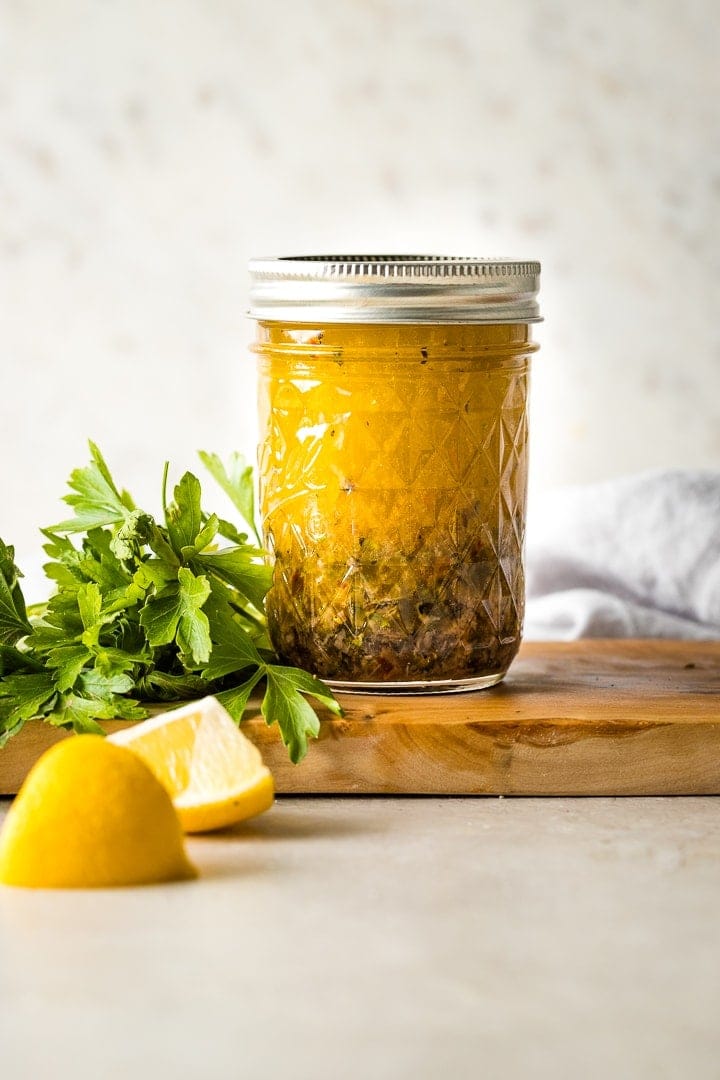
column 393, row 475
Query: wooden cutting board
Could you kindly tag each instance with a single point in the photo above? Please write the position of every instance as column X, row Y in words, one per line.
column 580, row 718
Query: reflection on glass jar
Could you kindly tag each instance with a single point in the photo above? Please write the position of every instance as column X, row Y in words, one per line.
column 393, row 476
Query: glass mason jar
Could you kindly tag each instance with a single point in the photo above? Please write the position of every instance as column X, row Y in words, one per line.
column 393, row 464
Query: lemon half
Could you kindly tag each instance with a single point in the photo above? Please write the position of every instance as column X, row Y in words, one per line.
column 214, row 775
column 91, row 815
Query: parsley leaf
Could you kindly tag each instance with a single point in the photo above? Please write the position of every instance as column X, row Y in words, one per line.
column 128, row 539
column 233, row 649
column 238, row 566
column 236, row 480
column 96, row 500
column 66, row 662
column 25, row 696
column 184, row 517
column 177, row 615
column 14, row 623
column 284, row 703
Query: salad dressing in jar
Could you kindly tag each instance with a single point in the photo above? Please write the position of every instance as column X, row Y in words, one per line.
column 393, row 464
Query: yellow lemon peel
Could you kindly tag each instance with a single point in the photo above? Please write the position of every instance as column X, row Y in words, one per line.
column 91, row 815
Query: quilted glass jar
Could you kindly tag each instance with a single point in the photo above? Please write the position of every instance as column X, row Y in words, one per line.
column 393, row 465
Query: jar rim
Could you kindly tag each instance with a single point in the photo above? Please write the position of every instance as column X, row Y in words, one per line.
column 393, row 289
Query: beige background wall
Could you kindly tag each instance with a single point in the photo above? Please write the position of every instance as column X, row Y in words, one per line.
column 147, row 149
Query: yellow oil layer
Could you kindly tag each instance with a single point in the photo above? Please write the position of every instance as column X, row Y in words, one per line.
column 393, row 472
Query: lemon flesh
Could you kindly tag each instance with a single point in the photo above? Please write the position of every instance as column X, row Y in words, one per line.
column 91, row 815
column 213, row 773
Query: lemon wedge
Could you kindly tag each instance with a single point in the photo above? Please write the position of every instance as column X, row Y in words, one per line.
column 214, row 775
column 91, row 815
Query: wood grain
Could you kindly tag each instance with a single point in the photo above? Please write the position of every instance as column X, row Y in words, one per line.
column 579, row 718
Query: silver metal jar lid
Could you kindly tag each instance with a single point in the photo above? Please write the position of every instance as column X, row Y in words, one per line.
column 393, row 289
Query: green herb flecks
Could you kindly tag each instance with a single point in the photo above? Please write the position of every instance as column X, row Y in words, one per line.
column 146, row 612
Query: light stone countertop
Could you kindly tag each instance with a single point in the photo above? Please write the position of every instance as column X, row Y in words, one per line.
column 387, row 938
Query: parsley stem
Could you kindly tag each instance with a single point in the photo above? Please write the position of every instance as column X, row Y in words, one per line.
column 166, row 470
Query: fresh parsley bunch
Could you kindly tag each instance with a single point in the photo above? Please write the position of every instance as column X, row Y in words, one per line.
column 144, row 612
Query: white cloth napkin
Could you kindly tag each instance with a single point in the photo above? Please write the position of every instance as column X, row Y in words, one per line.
column 635, row 557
